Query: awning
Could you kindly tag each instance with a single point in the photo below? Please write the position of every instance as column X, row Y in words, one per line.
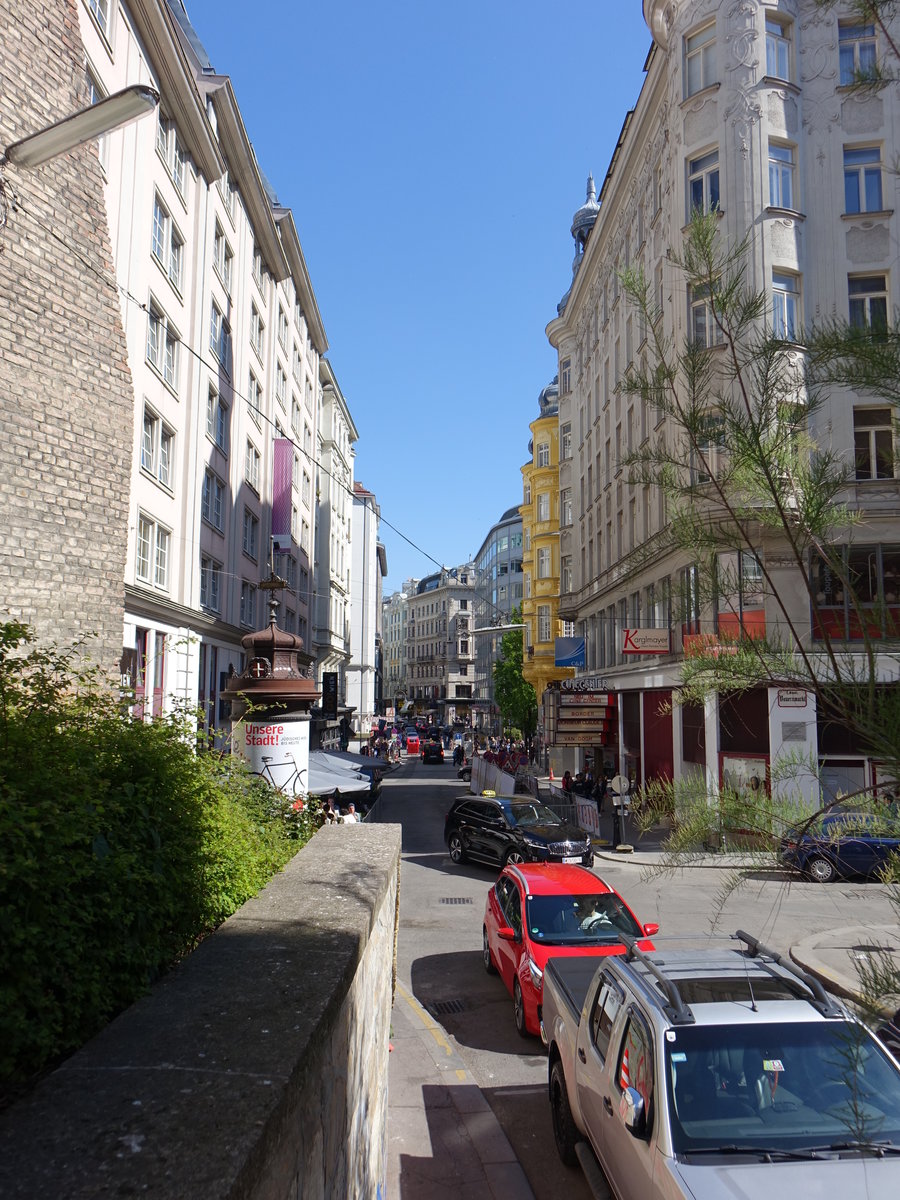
column 328, row 780
column 364, row 764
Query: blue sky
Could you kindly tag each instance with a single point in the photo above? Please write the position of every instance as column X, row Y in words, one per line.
column 433, row 157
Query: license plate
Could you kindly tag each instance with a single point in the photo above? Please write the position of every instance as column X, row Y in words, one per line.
column 576, row 858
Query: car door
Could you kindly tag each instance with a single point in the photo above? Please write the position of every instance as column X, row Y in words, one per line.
column 628, row 1160
column 594, row 1034
column 509, row 953
column 495, row 832
column 480, row 829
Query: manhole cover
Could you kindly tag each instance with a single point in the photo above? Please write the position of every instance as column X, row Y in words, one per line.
column 442, row 1008
column 456, row 899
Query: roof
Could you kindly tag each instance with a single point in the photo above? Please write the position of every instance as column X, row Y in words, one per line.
column 556, row 879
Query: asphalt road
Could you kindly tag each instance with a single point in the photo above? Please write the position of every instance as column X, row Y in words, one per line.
column 439, row 950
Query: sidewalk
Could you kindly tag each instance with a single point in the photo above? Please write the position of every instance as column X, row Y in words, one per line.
column 444, row 1142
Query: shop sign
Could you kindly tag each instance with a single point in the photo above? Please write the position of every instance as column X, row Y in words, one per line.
column 586, row 698
column 645, row 641
column 791, row 698
column 585, row 683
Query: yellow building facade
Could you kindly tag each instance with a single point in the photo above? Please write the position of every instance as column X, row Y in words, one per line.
column 540, row 547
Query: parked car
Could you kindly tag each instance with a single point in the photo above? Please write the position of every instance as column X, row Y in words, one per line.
column 716, row 1072
column 842, row 843
column 433, row 751
column 465, row 772
column 538, row 909
column 510, row 830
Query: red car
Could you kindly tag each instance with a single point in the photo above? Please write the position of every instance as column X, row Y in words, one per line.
column 540, row 910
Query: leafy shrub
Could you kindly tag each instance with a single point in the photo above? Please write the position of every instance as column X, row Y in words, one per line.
column 120, row 848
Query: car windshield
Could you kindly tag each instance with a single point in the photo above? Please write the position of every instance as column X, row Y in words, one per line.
column 533, row 814
column 579, row 920
column 813, row 1085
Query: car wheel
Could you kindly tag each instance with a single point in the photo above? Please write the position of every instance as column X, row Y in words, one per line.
column 486, row 953
column 514, row 856
column 519, row 1009
column 565, row 1133
column 820, row 870
column 456, row 848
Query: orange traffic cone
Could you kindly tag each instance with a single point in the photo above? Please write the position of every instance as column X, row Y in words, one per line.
column 551, row 774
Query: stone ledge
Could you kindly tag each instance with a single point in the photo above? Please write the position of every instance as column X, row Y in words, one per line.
column 195, row 1091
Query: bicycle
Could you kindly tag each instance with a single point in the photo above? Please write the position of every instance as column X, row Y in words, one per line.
column 294, row 784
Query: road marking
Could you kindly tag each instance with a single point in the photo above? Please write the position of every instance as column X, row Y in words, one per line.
column 432, row 1026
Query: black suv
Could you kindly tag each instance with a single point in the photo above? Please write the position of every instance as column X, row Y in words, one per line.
column 433, row 751
column 506, row 830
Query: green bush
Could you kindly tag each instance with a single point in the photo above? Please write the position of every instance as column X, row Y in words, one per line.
column 120, row 848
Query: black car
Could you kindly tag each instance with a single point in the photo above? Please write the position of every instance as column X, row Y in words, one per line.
column 509, row 830
column 843, row 843
column 433, row 751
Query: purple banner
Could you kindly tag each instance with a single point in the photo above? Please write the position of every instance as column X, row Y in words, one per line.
column 281, row 492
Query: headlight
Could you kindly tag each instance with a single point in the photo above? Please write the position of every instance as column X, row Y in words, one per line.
column 537, row 975
column 536, row 849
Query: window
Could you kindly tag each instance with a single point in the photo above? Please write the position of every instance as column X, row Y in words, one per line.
column 565, row 506
column 212, row 508
column 565, row 377
column 257, row 331
column 248, row 603
column 873, row 440
column 785, row 306
column 171, row 152
column 252, row 460
column 282, row 329
column 250, row 542
column 635, row 1066
column 565, row 441
column 228, row 189
column 543, row 506
column 153, row 543
column 167, row 244
column 690, row 599
column 700, row 60
column 223, row 259
column 162, row 346
column 703, row 183
column 543, row 562
column 526, row 493
column 868, row 302
column 862, row 179
column 857, row 52
column 542, row 458
column 100, row 12
column 705, row 330
column 217, row 419
column 855, row 578
column 220, row 337
column 565, row 570
column 254, row 399
column 210, row 583
column 739, row 592
column 781, row 176
column 280, row 385
column 157, row 442
column 257, row 265
column 778, row 48
column 543, row 616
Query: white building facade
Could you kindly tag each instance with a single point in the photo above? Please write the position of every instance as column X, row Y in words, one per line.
column 224, row 345
column 368, row 569
column 747, row 109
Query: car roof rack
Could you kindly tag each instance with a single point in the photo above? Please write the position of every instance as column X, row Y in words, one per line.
column 678, row 1012
column 820, row 999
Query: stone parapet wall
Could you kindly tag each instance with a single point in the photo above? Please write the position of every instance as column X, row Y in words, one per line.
column 256, row 1069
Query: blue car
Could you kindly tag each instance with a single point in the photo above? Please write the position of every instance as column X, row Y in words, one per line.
column 841, row 844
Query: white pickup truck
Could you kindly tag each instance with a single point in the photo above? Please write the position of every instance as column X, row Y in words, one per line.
column 718, row 1072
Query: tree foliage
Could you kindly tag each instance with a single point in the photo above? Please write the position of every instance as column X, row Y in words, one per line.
column 745, row 460
column 120, row 848
column 514, row 695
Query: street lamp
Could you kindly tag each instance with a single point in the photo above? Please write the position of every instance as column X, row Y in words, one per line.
column 116, row 110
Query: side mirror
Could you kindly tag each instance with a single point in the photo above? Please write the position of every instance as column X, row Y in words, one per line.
column 651, row 928
column 631, row 1110
column 506, row 934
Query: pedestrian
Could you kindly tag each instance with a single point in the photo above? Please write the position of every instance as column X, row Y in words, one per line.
column 567, row 782
column 350, row 817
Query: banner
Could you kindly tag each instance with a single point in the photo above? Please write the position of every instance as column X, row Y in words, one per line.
column 569, row 652
column 281, row 492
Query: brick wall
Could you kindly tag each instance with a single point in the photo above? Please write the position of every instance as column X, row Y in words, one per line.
column 66, row 399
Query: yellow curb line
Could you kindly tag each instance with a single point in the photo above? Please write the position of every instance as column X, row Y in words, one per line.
column 432, row 1026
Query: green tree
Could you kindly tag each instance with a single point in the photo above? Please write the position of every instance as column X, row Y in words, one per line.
column 514, row 695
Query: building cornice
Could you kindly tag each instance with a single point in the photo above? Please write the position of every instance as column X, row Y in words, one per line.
column 244, row 170
column 290, row 240
column 178, row 86
column 328, row 380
